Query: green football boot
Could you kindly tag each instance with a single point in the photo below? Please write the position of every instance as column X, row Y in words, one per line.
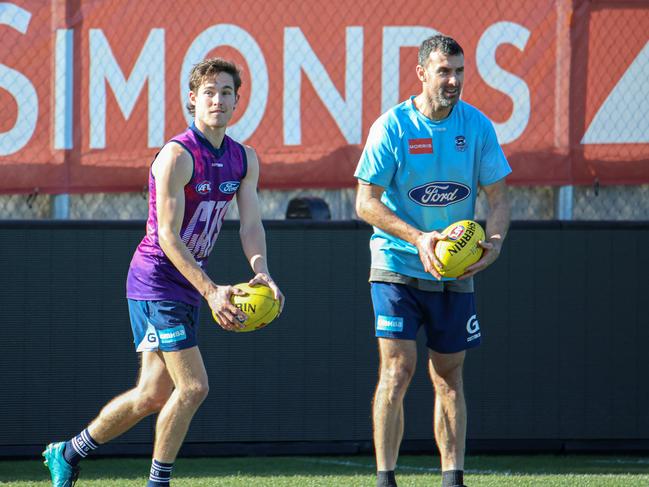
column 63, row 474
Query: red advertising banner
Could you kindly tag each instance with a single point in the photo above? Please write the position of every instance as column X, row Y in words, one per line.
column 91, row 89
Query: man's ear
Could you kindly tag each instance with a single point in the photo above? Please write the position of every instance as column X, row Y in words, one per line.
column 421, row 73
column 236, row 101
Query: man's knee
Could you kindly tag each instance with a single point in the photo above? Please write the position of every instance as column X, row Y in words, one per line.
column 150, row 402
column 449, row 383
column 395, row 378
column 194, row 393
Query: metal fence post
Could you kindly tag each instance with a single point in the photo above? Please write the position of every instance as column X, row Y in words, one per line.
column 61, row 207
column 563, row 202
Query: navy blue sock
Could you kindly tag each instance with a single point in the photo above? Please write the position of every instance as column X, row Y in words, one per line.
column 160, row 475
column 79, row 447
column 453, row 478
column 385, row 478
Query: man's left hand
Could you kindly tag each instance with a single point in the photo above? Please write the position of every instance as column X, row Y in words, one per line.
column 489, row 256
column 265, row 279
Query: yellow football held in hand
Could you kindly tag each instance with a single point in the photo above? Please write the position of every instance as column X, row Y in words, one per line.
column 259, row 304
column 460, row 249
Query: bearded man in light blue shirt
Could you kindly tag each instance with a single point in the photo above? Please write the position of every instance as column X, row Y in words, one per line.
column 420, row 171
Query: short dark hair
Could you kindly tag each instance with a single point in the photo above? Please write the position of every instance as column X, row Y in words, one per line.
column 438, row 43
column 209, row 68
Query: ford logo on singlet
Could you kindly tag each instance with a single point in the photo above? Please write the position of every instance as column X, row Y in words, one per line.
column 229, row 187
column 438, row 193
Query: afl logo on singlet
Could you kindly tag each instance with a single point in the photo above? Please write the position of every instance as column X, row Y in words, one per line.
column 203, row 187
column 441, row 193
column 229, row 187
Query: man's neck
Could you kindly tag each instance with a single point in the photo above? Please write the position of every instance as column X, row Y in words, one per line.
column 429, row 109
column 215, row 135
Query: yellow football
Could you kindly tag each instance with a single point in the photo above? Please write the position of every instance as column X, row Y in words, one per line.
column 460, row 249
column 259, row 304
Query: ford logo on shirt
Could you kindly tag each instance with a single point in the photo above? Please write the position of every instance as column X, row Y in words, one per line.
column 437, row 193
column 229, row 187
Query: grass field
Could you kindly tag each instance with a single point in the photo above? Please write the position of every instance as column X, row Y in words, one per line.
column 353, row 471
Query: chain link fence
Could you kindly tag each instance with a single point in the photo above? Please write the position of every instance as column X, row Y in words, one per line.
column 528, row 203
column 91, row 89
column 611, row 203
column 315, row 76
column 25, row 207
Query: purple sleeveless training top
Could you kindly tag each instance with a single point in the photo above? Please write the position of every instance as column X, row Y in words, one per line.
column 216, row 178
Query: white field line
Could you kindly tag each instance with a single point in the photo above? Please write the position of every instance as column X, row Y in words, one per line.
column 401, row 467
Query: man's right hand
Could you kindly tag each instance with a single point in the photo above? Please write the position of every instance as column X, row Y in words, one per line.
column 228, row 315
column 425, row 244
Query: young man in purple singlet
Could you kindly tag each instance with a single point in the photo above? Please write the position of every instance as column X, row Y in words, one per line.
column 192, row 181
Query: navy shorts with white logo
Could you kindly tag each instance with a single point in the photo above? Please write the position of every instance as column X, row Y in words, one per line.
column 449, row 318
column 163, row 325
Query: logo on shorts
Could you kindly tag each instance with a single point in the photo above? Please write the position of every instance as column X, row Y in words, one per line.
column 149, row 341
column 229, row 187
column 173, row 335
column 203, row 187
column 389, row 323
column 473, row 328
column 420, row 146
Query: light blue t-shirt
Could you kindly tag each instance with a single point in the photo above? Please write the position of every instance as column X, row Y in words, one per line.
column 431, row 171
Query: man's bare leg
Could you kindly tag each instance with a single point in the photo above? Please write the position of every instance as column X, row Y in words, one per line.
column 188, row 374
column 450, row 410
column 154, row 387
column 398, row 361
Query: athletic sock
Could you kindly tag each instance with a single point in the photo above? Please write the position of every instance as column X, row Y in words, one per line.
column 79, row 447
column 385, row 478
column 453, row 478
column 160, row 475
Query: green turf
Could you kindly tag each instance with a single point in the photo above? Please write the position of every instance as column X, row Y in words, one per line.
column 355, row 471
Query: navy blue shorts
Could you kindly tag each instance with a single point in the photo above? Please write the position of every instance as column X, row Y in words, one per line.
column 163, row 325
column 449, row 318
